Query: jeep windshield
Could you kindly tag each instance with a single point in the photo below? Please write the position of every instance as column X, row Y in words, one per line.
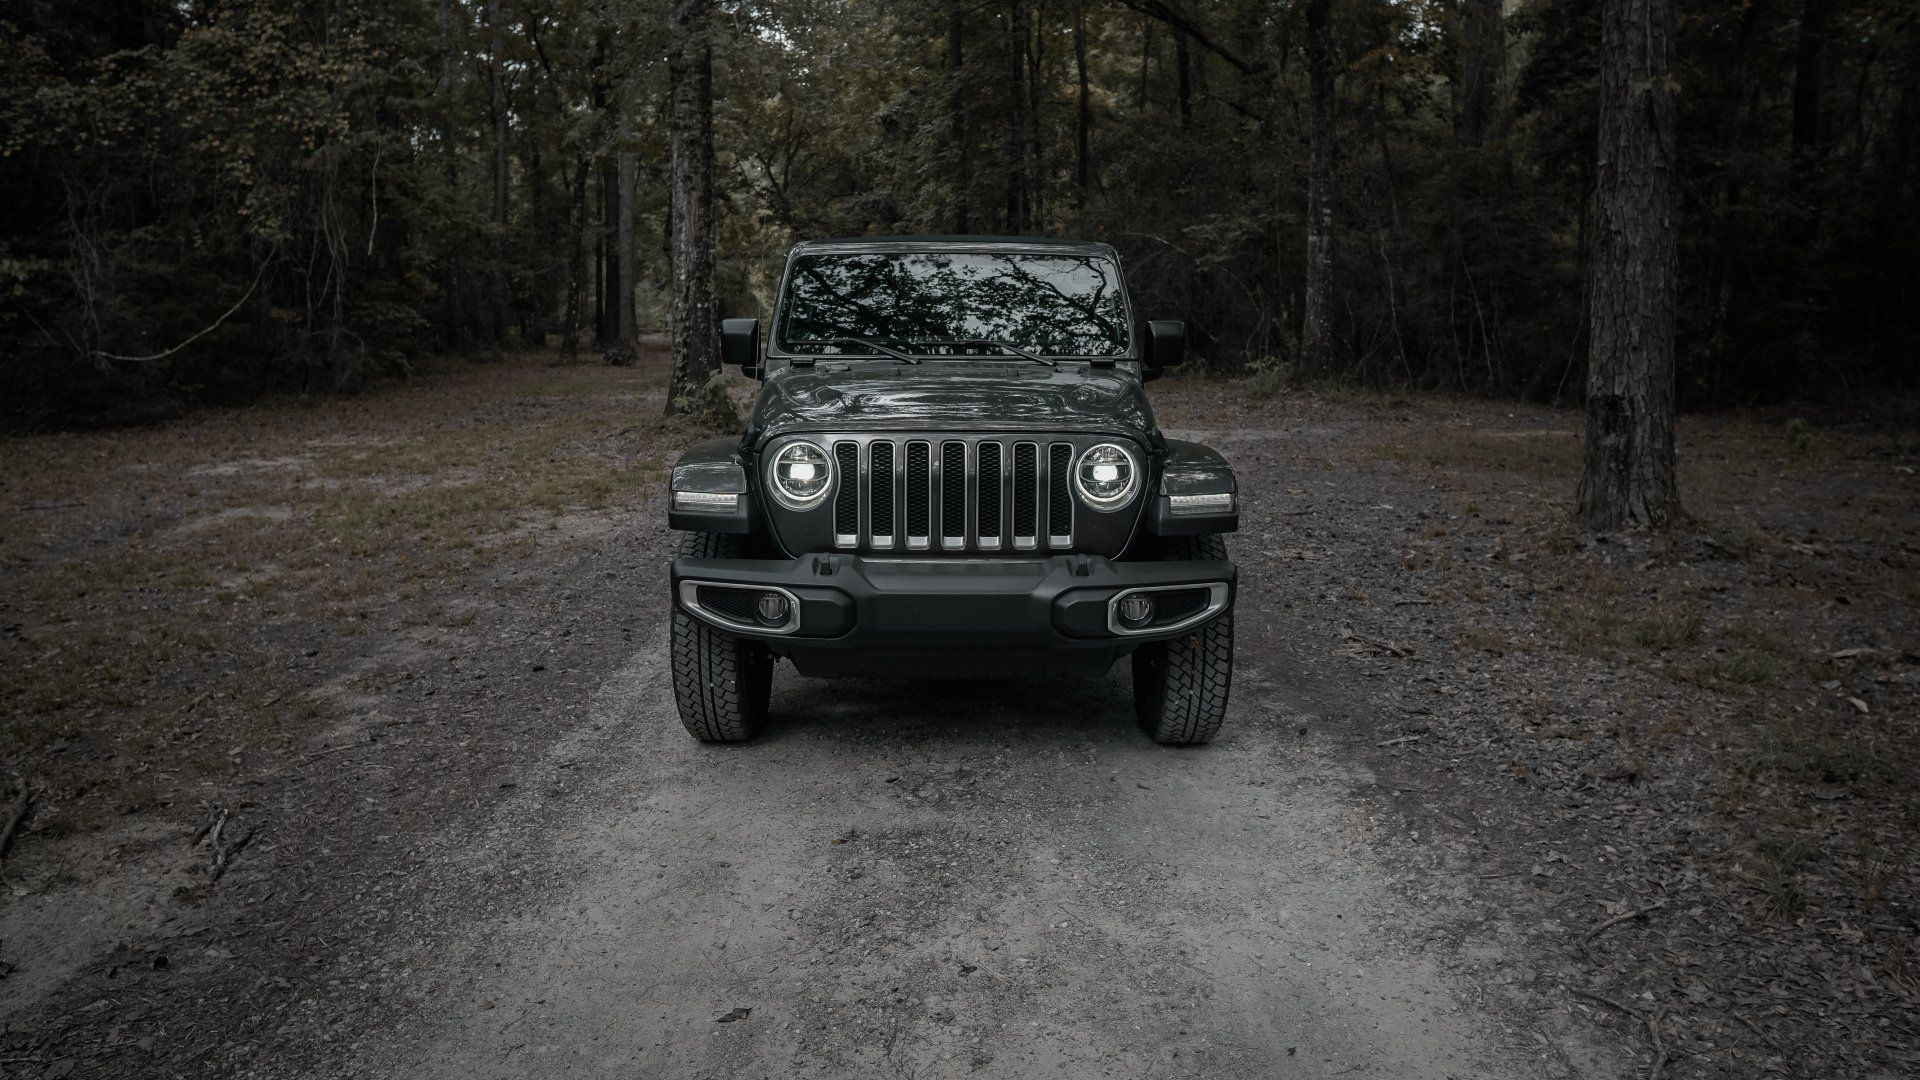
column 958, row 305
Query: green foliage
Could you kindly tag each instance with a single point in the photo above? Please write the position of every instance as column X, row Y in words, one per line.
column 203, row 200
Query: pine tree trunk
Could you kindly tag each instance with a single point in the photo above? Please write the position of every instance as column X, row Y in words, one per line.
column 1036, row 135
column 576, row 259
column 1083, row 117
column 602, row 288
column 1016, row 134
column 1808, row 135
column 1183, row 78
column 1629, row 476
column 1146, row 64
column 1316, row 330
column 957, row 117
column 626, row 343
column 496, row 79
column 696, row 343
column 1483, row 64
column 454, row 332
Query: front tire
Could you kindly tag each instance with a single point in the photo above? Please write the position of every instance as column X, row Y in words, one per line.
column 721, row 684
column 1180, row 687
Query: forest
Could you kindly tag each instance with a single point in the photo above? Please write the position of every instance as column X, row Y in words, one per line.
column 208, row 200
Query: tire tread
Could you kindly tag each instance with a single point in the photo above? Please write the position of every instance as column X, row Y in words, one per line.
column 721, row 684
column 1181, row 687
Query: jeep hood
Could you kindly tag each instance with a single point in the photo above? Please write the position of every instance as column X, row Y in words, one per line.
column 945, row 395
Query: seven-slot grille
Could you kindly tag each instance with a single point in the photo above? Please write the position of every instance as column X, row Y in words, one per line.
column 954, row 494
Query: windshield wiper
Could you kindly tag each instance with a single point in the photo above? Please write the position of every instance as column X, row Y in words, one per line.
column 869, row 344
column 1007, row 347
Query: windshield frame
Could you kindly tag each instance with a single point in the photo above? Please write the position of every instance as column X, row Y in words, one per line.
column 779, row 346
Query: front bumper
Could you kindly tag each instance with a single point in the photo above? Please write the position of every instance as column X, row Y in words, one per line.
column 933, row 616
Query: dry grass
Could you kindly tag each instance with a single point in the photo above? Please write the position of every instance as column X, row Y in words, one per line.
column 1547, row 454
column 162, row 584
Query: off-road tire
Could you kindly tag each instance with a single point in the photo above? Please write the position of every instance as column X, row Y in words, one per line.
column 1180, row 686
column 720, row 683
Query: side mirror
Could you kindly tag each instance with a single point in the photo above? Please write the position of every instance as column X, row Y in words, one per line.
column 740, row 344
column 1166, row 343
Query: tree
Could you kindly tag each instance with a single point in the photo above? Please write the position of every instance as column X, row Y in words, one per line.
column 1316, row 329
column 1629, row 474
column 497, row 102
column 627, row 172
column 1483, row 67
column 696, row 341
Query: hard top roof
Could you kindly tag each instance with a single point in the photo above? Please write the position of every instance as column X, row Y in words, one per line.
column 1039, row 245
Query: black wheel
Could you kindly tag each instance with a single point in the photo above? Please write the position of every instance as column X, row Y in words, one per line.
column 720, row 683
column 1180, row 686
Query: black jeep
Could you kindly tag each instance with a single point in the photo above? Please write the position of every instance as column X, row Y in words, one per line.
column 951, row 470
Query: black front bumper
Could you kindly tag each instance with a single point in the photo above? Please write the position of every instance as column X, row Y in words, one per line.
column 929, row 616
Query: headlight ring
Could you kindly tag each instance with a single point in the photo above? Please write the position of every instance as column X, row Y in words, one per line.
column 1107, row 476
column 800, row 475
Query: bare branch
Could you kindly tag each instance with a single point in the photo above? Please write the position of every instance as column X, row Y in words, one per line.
column 215, row 325
column 1159, row 9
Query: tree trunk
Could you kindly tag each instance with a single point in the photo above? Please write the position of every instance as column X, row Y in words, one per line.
column 1806, row 78
column 1316, row 331
column 1036, row 135
column 454, row 332
column 1629, row 476
column 957, row 117
column 603, row 288
column 605, row 284
column 1183, row 78
column 576, row 259
column 696, row 344
column 1083, row 116
column 1808, row 138
column 496, row 78
column 1483, row 64
column 626, row 343
column 1016, row 133
column 1146, row 65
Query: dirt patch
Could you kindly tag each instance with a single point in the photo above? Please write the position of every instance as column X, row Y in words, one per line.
column 1712, row 731
column 427, row 691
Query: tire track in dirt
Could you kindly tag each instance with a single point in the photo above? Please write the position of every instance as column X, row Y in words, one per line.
column 942, row 879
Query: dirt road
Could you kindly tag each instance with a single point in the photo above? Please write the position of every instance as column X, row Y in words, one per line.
column 352, row 753
column 934, row 879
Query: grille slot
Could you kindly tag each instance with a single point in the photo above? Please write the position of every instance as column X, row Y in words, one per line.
column 1059, row 494
column 881, row 493
column 953, row 494
column 987, row 504
column 846, row 501
column 919, row 493
column 1026, row 485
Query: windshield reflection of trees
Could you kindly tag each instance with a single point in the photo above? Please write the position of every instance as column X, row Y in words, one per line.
column 1061, row 306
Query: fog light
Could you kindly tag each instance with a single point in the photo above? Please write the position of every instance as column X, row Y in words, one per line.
column 1135, row 610
column 773, row 608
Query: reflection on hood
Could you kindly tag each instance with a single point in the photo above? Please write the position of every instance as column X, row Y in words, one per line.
column 942, row 395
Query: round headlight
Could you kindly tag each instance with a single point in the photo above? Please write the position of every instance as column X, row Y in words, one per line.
column 1106, row 476
column 802, row 473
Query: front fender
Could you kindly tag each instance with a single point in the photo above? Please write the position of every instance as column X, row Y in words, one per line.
column 713, row 467
column 1192, row 469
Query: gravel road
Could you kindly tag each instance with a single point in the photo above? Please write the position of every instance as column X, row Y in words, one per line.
column 418, row 673
column 489, row 850
column 933, row 879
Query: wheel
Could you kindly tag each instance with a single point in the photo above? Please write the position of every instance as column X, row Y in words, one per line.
column 1180, row 686
column 720, row 683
